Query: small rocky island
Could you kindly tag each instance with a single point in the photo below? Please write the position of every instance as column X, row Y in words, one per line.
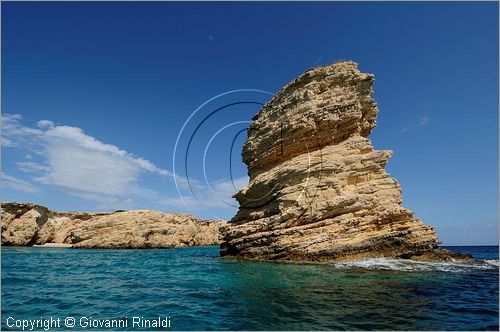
column 318, row 190
column 25, row 224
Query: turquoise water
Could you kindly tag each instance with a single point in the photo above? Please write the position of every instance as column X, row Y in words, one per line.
column 200, row 291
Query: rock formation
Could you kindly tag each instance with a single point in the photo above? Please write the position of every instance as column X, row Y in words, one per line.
column 318, row 190
column 25, row 224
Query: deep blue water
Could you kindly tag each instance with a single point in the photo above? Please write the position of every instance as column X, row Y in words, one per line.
column 200, row 291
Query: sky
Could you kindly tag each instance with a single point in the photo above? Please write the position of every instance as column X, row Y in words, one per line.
column 125, row 105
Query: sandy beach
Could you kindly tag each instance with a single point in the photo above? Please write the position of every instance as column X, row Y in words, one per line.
column 54, row 245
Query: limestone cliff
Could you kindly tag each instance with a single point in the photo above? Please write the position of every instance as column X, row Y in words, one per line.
column 26, row 224
column 318, row 190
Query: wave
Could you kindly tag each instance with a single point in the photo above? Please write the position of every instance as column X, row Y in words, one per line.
column 411, row 265
column 492, row 262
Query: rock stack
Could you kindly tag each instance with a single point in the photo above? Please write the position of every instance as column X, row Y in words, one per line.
column 318, row 190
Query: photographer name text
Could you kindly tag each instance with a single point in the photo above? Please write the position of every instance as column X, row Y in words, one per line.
column 84, row 322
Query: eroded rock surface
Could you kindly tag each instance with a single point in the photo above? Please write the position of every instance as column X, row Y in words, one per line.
column 318, row 190
column 25, row 224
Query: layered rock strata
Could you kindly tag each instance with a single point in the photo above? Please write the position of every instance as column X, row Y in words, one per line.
column 25, row 224
column 318, row 190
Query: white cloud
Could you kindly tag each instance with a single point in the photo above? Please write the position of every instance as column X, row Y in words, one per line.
column 423, row 121
column 216, row 196
column 78, row 164
column 31, row 167
column 318, row 60
column 7, row 142
column 75, row 162
column 18, row 184
column 14, row 135
column 45, row 124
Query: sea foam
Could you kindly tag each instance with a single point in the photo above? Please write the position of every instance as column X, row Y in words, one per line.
column 411, row 265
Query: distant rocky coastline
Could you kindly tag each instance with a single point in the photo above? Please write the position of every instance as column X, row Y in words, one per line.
column 318, row 190
column 26, row 224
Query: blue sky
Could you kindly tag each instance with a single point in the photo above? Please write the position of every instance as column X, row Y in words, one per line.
column 94, row 96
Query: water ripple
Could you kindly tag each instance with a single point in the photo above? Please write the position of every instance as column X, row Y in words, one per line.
column 200, row 291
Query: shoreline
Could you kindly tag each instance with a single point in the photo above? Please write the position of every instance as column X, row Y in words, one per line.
column 53, row 245
column 472, row 261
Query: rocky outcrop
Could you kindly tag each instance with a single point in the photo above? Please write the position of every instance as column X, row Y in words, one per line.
column 318, row 190
column 25, row 224
column 20, row 223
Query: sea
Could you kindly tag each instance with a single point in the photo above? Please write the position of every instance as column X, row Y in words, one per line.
column 194, row 289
